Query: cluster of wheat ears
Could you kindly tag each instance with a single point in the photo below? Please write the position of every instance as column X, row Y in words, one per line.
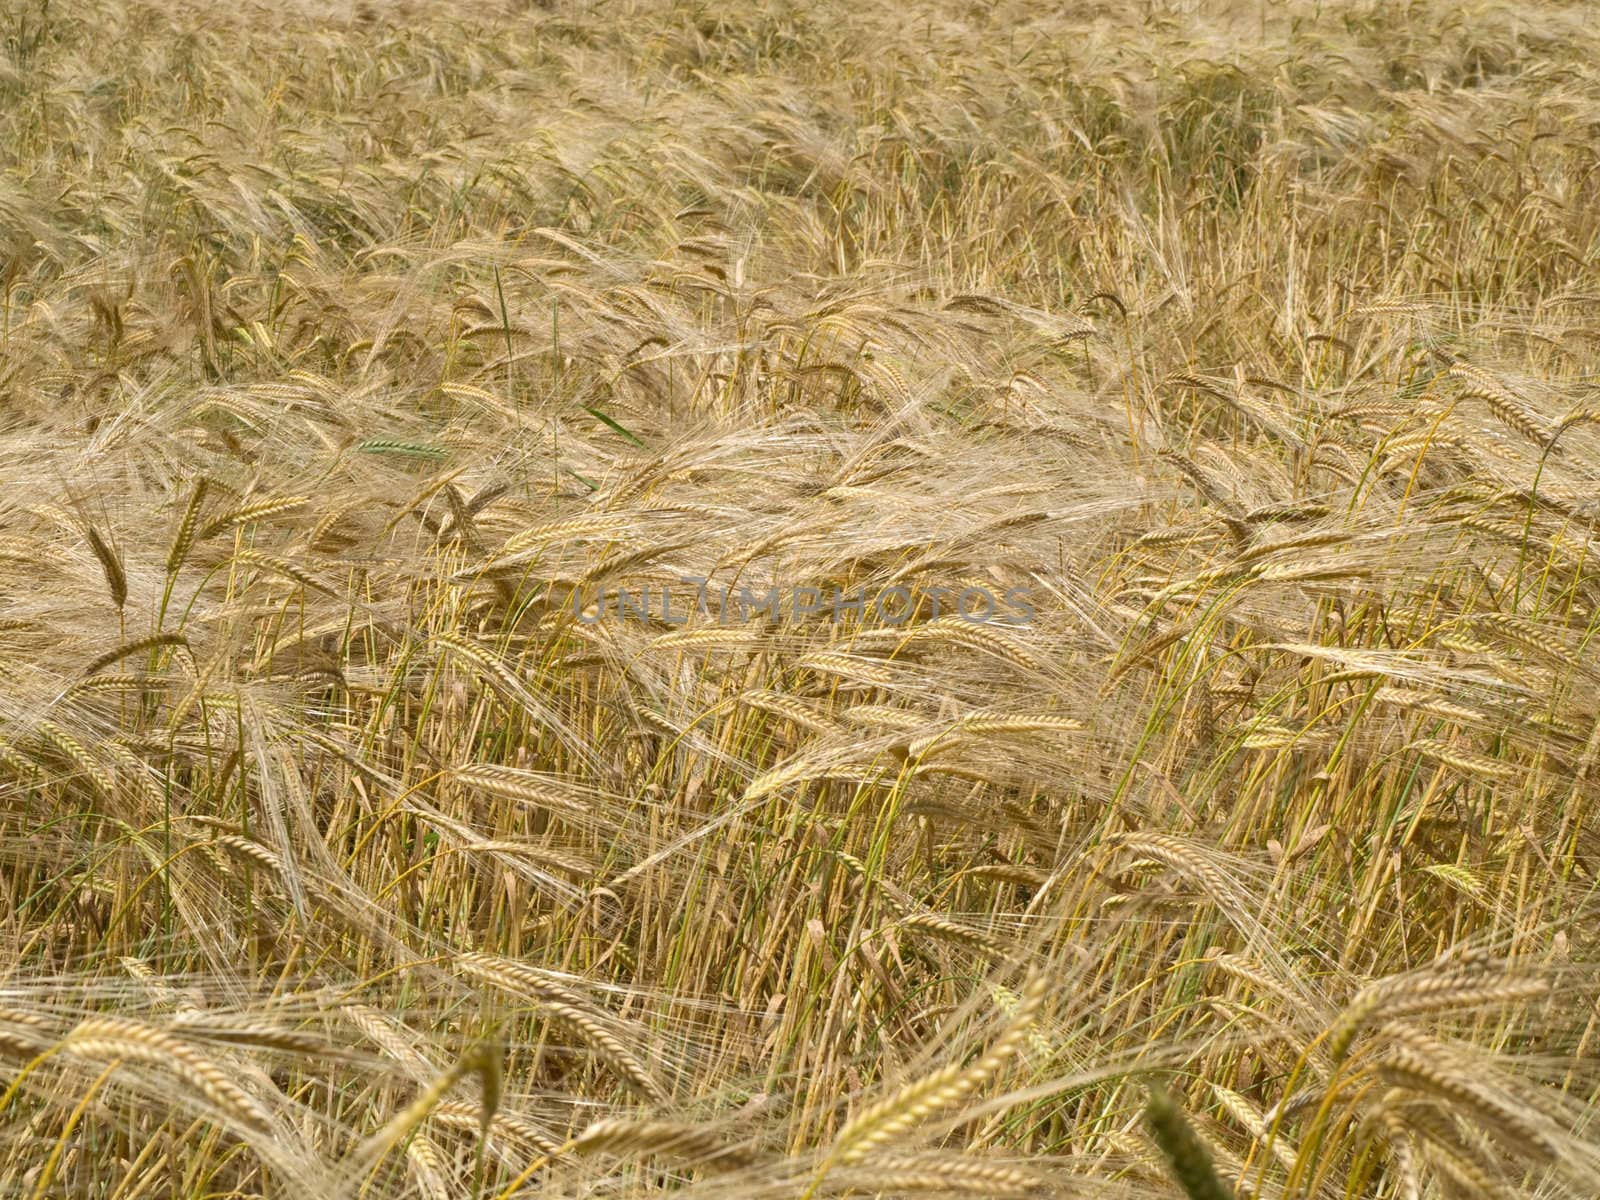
column 344, row 344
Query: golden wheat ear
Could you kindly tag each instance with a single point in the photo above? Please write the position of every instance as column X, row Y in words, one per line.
column 119, row 1039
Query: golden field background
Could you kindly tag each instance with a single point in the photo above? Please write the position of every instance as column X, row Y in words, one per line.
column 342, row 345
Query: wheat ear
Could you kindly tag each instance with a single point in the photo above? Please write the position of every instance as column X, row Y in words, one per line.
column 111, row 565
column 1187, row 1156
column 884, row 1120
column 114, row 1037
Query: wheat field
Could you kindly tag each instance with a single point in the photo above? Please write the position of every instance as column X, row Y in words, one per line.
column 799, row 600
